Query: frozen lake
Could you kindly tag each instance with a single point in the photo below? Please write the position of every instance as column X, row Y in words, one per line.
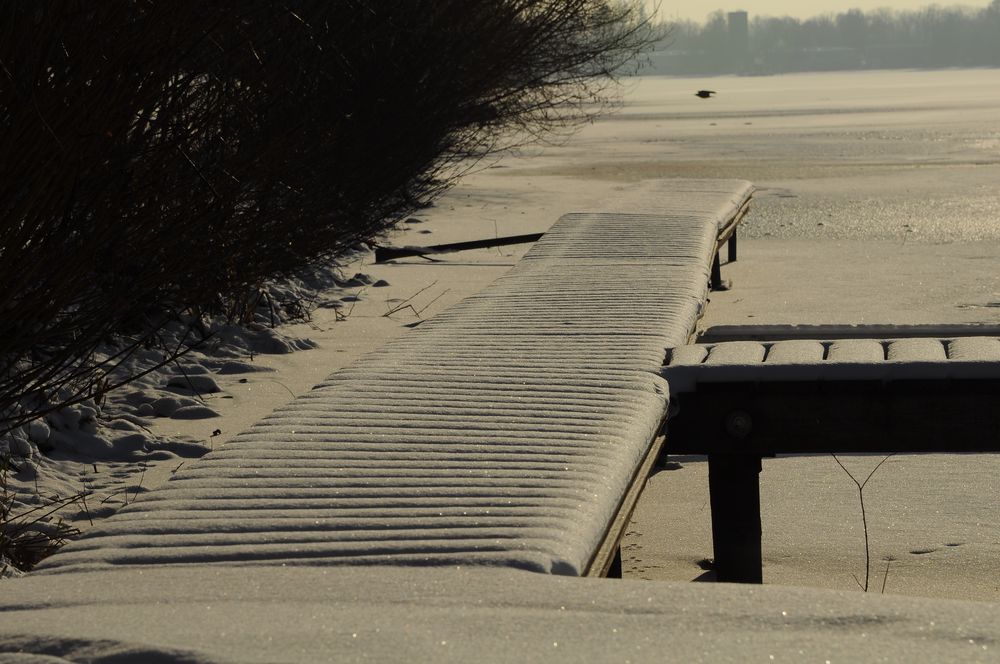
column 877, row 203
column 892, row 155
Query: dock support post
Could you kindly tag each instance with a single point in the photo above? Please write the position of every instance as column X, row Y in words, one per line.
column 734, row 487
column 615, row 571
column 717, row 284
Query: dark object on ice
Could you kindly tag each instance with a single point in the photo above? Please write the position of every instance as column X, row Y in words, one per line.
column 383, row 254
column 704, row 94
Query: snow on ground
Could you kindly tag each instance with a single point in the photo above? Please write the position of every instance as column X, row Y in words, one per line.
column 84, row 461
column 877, row 204
column 313, row 614
column 90, row 459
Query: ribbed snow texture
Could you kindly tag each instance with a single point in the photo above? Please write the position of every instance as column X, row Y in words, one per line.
column 504, row 431
column 920, row 358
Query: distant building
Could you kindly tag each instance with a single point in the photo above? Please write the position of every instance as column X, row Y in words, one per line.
column 738, row 24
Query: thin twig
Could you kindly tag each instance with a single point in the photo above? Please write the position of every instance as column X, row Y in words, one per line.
column 417, row 312
column 59, row 504
column 187, row 379
column 424, row 308
column 86, row 509
column 287, row 389
column 138, row 486
column 405, row 303
column 864, row 516
column 356, row 298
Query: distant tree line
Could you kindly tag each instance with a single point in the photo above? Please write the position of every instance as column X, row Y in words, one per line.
column 161, row 159
column 882, row 39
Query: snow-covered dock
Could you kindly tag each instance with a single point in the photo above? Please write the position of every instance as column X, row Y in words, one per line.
column 514, row 429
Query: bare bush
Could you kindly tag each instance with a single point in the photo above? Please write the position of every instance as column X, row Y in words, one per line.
column 162, row 159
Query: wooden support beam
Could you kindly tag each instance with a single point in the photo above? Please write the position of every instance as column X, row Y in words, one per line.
column 763, row 333
column 727, row 234
column 717, row 283
column 911, row 416
column 734, row 487
column 736, row 424
column 607, row 561
column 615, row 571
column 383, row 254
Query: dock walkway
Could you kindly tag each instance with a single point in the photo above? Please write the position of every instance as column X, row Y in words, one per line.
column 511, row 430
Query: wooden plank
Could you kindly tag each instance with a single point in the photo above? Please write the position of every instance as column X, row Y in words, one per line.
column 608, row 553
column 736, row 424
column 383, row 254
column 727, row 235
column 729, row 229
column 912, row 416
column 724, row 333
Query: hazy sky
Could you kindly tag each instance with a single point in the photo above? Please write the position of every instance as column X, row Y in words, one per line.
column 697, row 10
